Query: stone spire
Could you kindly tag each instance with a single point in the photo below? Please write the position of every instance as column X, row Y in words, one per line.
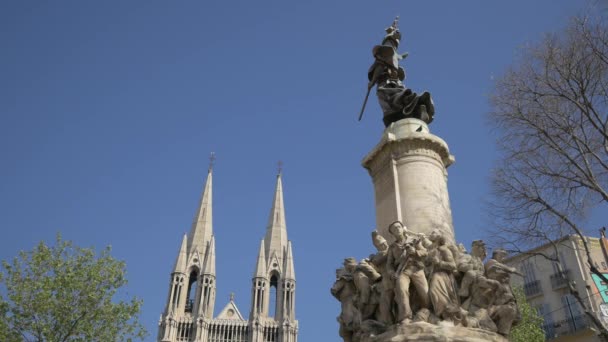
column 209, row 266
column 290, row 272
column 276, row 231
column 202, row 227
column 260, row 267
column 182, row 257
column 206, row 286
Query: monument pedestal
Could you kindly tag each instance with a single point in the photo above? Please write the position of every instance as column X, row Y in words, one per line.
column 426, row 332
column 408, row 170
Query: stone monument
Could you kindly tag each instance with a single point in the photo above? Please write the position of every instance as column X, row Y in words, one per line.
column 408, row 166
column 419, row 285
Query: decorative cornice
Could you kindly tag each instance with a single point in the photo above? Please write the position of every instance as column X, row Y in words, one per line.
column 413, row 144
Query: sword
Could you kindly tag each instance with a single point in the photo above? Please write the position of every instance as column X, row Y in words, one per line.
column 365, row 102
column 370, row 85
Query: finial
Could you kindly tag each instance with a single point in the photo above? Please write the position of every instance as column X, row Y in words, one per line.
column 232, row 296
column 211, row 161
column 280, row 167
column 395, row 22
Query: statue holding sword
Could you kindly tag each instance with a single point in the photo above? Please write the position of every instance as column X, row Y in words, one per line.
column 397, row 101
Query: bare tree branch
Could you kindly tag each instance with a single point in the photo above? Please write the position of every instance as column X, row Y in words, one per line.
column 551, row 113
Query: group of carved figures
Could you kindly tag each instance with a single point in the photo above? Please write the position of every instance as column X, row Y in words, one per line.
column 424, row 278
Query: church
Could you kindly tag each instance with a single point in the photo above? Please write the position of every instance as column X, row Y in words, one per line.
column 188, row 313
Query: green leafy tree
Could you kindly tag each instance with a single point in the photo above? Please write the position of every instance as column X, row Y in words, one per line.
column 529, row 328
column 64, row 293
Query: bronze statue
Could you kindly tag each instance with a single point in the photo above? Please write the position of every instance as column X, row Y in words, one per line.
column 397, row 101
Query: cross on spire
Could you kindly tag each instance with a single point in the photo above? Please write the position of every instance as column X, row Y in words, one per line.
column 211, row 160
column 280, row 167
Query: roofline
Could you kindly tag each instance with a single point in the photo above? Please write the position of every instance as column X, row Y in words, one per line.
column 543, row 246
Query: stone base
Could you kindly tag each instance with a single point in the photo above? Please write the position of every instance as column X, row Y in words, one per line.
column 426, row 332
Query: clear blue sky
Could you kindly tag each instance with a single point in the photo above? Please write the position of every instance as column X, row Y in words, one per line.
column 109, row 109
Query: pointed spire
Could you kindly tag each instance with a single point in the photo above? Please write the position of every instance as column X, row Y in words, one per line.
column 290, row 272
column 180, row 263
column 260, row 267
column 276, row 231
column 209, row 266
column 202, row 227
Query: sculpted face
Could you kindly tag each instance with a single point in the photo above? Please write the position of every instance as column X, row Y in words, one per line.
column 479, row 251
column 435, row 235
column 397, row 35
column 350, row 264
column 499, row 255
column 379, row 242
column 397, row 230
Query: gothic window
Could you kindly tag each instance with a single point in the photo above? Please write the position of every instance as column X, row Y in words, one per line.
column 272, row 309
column 192, row 284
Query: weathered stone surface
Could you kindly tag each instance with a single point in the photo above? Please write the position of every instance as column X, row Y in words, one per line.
column 427, row 332
column 408, row 170
column 424, row 288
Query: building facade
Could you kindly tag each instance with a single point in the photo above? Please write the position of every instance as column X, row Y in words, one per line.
column 547, row 286
column 188, row 315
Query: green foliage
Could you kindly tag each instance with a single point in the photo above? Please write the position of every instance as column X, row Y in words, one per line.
column 529, row 328
column 64, row 293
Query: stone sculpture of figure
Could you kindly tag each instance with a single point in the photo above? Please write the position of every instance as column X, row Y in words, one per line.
column 483, row 291
column 503, row 310
column 442, row 291
column 471, row 266
column 406, row 264
column 397, row 101
column 498, row 255
column 365, row 275
column 384, row 288
column 477, row 290
column 345, row 291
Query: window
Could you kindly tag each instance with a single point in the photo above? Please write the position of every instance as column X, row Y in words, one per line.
column 272, row 309
column 192, row 285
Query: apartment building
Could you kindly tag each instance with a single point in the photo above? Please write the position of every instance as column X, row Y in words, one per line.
column 548, row 291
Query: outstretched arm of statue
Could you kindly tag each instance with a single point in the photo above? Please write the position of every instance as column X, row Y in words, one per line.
column 404, row 55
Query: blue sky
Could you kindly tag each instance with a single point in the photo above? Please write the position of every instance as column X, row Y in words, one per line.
column 109, row 110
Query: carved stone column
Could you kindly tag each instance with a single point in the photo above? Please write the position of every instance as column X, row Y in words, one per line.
column 408, row 170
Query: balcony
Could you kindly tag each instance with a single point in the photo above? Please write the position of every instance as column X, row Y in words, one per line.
column 560, row 279
column 532, row 288
column 565, row 327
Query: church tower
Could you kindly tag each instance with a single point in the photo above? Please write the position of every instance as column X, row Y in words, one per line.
column 188, row 314
column 192, row 287
column 272, row 316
